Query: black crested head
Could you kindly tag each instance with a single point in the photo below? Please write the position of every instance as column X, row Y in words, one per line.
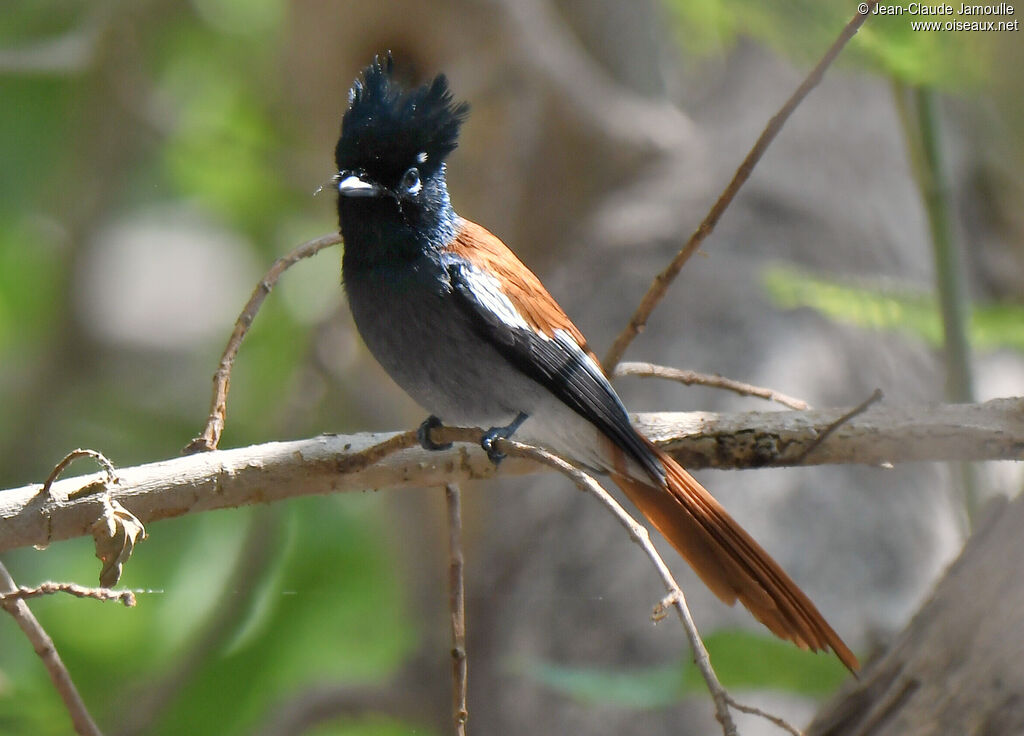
column 393, row 198
column 387, row 129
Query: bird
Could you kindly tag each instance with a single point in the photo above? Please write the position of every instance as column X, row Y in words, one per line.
column 472, row 335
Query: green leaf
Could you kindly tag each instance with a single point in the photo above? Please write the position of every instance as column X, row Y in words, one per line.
column 30, row 277
column 748, row 660
column 330, row 611
column 223, row 144
column 998, row 325
column 899, row 310
column 370, row 726
column 652, row 687
column 803, row 29
column 35, row 709
column 742, row 660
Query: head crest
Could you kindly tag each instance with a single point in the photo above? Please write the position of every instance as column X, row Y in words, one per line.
column 388, row 129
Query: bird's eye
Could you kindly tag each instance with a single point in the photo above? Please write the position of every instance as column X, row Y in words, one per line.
column 411, row 181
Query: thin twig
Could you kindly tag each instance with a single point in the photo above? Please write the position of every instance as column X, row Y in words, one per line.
column 125, row 597
column 99, row 457
column 664, row 279
column 211, row 433
column 640, row 535
column 457, row 606
column 43, row 645
column 862, row 407
column 752, row 711
column 689, row 378
column 675, row 598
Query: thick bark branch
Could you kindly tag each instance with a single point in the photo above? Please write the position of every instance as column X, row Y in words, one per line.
column 332, row 463
column 958, row 666
column 993, row 430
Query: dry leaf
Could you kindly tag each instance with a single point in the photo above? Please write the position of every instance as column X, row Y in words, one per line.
column 116, row 534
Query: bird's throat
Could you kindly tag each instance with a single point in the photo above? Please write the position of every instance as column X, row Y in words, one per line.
column 381, row 231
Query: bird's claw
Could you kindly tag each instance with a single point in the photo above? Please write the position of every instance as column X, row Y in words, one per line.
column 487, row 443
column 499, row 433
column 423, row 434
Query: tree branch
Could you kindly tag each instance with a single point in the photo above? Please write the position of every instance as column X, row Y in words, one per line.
column 993, row 430
column 274, row 471
column 967, row 632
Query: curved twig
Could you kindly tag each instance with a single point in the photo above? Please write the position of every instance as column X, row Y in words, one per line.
column 125, row 597
column 689, row 378
column 99, row 457
column 642, row 537
column 210, row 436
column 752, row 711
column 675, row 598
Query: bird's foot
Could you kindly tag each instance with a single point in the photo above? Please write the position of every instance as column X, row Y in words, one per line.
column 423, row 434
column 500, row 433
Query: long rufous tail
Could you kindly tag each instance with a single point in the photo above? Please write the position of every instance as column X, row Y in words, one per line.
column 728, row 559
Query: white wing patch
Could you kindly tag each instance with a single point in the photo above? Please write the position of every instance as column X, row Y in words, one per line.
column 487, row 290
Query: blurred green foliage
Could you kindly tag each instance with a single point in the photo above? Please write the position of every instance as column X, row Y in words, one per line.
column 803, row 29
column 109, row 108
column 742, row 661
column 916, row 314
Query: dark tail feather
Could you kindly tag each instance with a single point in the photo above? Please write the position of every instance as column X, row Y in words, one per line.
column 728, row 559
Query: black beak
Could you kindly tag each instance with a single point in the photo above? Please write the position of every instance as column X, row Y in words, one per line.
column 351, row 184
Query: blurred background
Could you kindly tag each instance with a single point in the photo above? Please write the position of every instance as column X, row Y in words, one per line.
column 157, row 156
